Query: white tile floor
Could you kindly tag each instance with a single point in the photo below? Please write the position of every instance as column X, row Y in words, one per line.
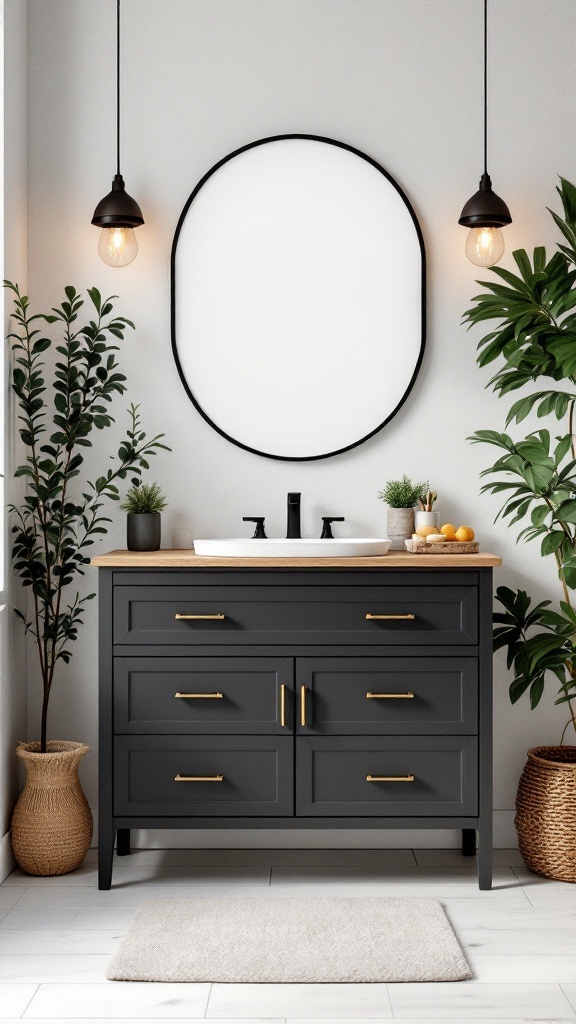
column 57, row 936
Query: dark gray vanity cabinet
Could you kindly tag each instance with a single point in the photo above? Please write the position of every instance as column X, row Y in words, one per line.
column 295, row 697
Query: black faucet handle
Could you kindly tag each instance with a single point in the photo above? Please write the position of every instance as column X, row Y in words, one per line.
column 259, row 532
column 327, row 526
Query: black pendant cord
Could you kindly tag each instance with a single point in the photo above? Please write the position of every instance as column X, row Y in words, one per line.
column 117, row 209
column 485, row 208
column 118, row 86
column 485, row 85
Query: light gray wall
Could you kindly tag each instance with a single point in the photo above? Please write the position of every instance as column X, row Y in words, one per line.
column 13, row 677
column 401, row 81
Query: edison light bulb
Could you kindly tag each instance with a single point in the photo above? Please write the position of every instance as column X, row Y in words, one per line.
column 484, row 246
column 117, row 246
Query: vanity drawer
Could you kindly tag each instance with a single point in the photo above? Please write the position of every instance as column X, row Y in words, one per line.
column 331, row 776
column 203, row 695
column 363, row 695
column 232, row 776
column 339, row 614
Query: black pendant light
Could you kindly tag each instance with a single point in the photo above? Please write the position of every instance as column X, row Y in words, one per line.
column 485, row 212
column 118, row 213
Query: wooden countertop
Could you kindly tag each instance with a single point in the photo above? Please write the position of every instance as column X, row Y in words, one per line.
column 182, row 559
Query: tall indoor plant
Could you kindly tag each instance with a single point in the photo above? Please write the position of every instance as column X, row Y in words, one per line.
column 534, row 340
column 57, row 522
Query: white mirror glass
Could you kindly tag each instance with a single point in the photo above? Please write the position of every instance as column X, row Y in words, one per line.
column 298, row 297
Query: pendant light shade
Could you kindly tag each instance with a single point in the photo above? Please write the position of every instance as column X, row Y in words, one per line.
column 117, row 213
column 485, row 208
column 118, row 209
column 485, row 212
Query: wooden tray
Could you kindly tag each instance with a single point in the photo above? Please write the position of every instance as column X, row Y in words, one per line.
column 448, row 547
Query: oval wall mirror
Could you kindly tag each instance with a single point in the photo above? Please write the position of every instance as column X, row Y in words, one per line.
column 298, row 297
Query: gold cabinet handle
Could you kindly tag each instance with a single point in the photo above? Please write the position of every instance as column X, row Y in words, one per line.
column 198, row 778
column 200, row 696
column 372, row 618
column 216, row 617
column 303, row 705
column 389, row 696
column 390, row 778
column 282, row 704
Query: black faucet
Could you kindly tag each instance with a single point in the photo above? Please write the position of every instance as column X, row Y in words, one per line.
column 293, row 520
column 259, row 532
column 327, row 526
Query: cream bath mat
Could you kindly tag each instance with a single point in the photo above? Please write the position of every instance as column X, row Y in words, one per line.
column 283, row 940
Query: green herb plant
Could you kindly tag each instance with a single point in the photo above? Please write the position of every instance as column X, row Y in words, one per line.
column 144, row 498
column 403, row 493
column 61, row 515
column 533, row 338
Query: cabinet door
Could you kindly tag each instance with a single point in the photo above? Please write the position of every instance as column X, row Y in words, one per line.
column 204, row 776
column 377, row 696
column 203, row 695
column 365, row 776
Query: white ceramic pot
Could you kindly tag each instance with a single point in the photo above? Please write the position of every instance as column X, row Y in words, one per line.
column 425, row 519
column 400, row 526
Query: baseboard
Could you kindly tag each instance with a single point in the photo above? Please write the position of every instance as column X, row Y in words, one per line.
column 7, row 861
column 310, row 839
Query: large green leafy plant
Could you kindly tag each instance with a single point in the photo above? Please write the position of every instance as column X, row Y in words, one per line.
column 534, row 340
column 61, row 516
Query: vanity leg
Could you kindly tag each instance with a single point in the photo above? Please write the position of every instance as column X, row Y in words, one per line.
column 468, row 842
column 484, row 858
column 123, row 842
column 485, row 708
column 106, row 832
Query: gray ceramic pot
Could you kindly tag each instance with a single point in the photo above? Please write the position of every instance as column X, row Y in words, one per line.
column 400, row 526
column 143, row 530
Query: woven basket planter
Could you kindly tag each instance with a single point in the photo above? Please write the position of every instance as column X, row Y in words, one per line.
column 52, row 822
column 546, row 812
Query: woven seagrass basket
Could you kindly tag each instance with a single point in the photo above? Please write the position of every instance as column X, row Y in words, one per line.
column 546, row 812
column 52, row 822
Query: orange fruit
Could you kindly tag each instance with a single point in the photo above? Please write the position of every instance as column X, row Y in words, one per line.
column 464, row 533
column 449, row 531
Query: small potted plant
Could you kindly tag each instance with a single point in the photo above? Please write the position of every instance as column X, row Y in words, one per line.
column 143, row 503
column 401, row 496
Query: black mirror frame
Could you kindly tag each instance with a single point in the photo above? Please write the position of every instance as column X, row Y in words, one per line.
column 181, row 219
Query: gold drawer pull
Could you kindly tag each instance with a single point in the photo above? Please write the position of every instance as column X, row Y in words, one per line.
column 198, row 778
column 372, row 618
column 389, row 778
column 303, row 705
column 282, row 704
column 216, row 617
column 389, row 696
column 201, row 696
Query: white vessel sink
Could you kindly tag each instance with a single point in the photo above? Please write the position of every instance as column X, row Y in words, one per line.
column 279, row 547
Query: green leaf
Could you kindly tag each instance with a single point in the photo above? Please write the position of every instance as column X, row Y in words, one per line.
column 523, row 263
column 566, row 511
column 518, row 687
column 551, row 542
column 536, row 691
column 539, row 514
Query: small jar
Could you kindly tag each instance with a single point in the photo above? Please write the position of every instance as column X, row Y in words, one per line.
column 425, row 519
